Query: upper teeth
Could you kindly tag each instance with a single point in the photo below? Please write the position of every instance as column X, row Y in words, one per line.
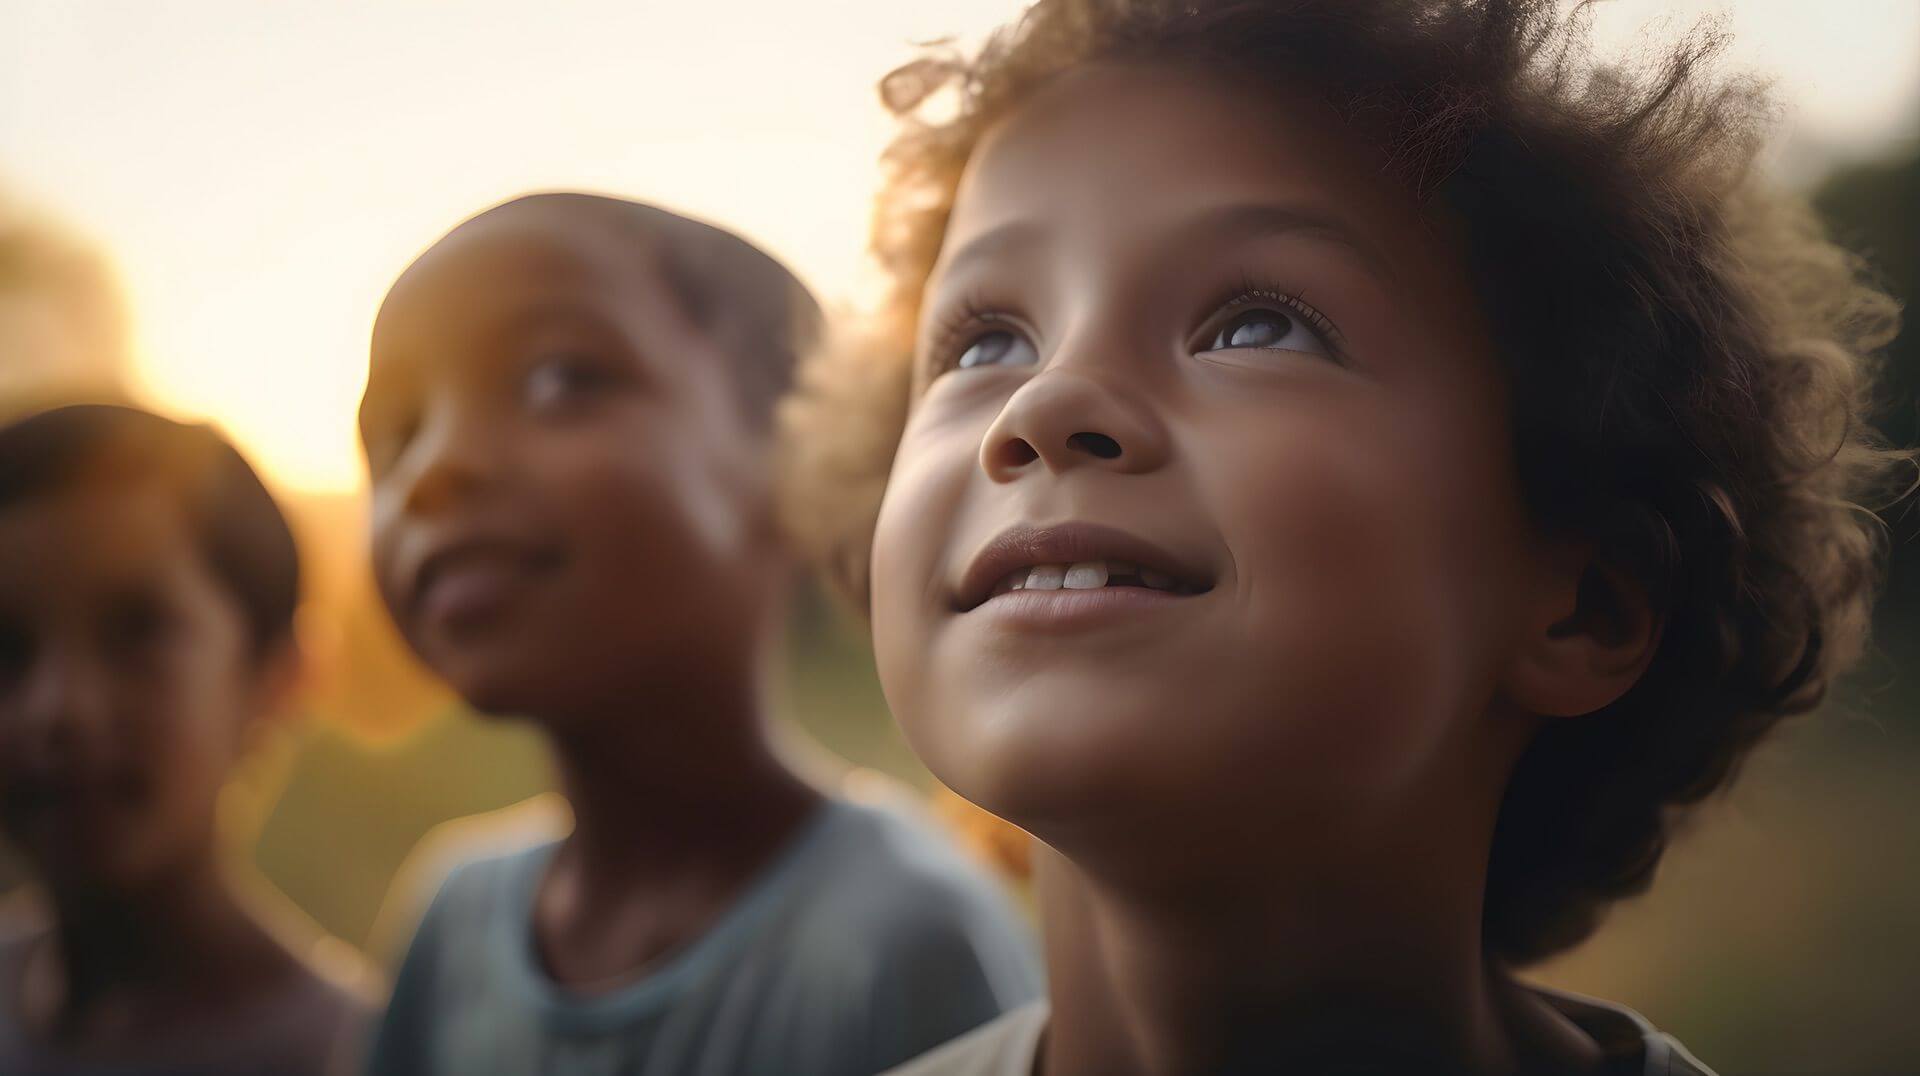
column 1082, row 575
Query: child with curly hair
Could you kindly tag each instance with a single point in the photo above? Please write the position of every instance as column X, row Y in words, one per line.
column 1355, row 474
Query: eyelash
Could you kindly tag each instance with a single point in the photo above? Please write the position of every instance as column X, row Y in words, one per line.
column 951, row 339
column 1253, row 293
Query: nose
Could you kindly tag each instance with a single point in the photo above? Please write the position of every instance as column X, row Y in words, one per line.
column 62, row 701
column 457, row 453
column 1067, row 416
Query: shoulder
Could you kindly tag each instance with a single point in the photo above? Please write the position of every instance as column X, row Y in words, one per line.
column 22, row 917
column 1007, row 1046
column 1626, row 1035
column 461, row 869
column 21, row 928
column 922, row 946
column 901, row 852
column 893, row 876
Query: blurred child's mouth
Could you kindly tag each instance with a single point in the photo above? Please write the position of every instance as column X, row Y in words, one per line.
column 473, row 582
column 90, row 800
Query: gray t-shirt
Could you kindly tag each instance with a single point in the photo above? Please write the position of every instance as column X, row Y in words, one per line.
column 1010, row 1046
column 866, row 942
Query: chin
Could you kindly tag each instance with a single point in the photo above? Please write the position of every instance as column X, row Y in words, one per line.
column 1057, row 773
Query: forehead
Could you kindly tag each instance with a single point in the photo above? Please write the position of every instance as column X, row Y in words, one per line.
column 67, row 543
column 512, row 259
column 1121, row 153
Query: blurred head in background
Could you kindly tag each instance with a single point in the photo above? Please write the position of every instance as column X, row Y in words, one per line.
column 62, row 330
column 567, row 423
column 148, row 584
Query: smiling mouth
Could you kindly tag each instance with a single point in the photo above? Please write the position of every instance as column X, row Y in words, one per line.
column 1072, row 562
column 472, row 579
column 1090, row 575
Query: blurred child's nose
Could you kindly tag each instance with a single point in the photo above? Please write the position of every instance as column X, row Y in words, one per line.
column 61, row 700
column 1073, row 415
column 458, row 451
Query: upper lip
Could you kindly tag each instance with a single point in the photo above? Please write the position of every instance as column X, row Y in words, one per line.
column 1066, row 543
column 42, row 783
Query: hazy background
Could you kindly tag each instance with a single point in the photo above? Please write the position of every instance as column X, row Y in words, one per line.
column 256, row 174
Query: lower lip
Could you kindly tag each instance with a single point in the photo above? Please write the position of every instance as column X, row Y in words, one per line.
column 1065, row 610
column 473, row 595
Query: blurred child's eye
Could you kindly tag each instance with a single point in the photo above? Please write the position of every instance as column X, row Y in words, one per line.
column 16, row 649
column 385, row 439
column 1001, row 347
column 564, row 379
column 134, row 623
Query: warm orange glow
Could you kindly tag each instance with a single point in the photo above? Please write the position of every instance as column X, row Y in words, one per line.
column 261, row 172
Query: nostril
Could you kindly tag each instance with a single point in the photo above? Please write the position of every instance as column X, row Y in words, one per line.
column 1017, row 453
column 1095, row 444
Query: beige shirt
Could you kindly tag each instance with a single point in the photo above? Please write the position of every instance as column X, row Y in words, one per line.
column 1010, row 1045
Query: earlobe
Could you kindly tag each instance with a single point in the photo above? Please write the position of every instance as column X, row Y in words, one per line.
column 1591, row 638
column 280, row 674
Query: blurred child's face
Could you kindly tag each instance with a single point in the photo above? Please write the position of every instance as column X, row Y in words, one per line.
column 565, row 492
column 127, row 681
column 1205, row 507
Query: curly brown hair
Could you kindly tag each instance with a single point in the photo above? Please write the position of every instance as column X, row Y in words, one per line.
column 1690, row 360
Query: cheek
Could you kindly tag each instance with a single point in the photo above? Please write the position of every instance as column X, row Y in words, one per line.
column 1367, row 543
column 662, row 529
column 925, row 494
column 183, row 730
column 384, row 527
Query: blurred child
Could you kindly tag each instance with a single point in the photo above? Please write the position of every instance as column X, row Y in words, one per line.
column 568, row 422
column 63, row 332
column 147, row 592
column 1365, row 473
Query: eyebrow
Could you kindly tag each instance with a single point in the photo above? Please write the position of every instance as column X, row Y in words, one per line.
column 999, row 241
column 521, row 322
column 1235, row 220
column 1262, row 219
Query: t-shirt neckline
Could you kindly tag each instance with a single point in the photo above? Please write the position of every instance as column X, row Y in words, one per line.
column 660, row 982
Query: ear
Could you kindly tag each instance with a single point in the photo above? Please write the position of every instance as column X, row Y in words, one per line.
column 278, row 678
column 1588, row 638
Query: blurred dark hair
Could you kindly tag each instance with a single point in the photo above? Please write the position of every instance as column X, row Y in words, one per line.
column 1690, row 361
column 238, row 527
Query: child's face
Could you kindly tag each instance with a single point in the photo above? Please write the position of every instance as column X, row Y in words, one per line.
column 565, row 494
column 1204, row 329
column 127, row 681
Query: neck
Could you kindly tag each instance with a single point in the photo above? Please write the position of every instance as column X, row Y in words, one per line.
column 680, row 773
column 181, row 931
column 1356, row 954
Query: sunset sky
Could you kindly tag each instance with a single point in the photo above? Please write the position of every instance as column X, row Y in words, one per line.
column 260, row 172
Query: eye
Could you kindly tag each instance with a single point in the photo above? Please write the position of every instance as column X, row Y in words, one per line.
column 564, row 379
column 16, row 650
column 1001, row 347
column 135, row 623
column 1264, row 329
column 384, row 436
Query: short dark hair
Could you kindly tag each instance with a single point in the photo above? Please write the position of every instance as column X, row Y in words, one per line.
column 1690, row 361
column 239, row 529
column 733, row 292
